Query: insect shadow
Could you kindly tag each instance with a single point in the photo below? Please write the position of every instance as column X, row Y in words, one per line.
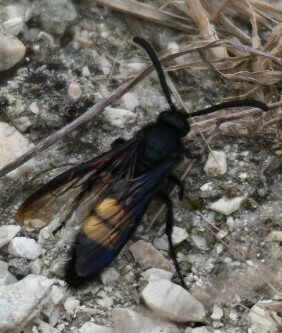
column 108, row 195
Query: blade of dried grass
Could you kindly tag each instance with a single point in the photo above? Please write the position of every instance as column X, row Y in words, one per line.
column 262, row 77
column 265, row 6
column 148, row 12
column 200, row 17
column 222, row 64
column 221, row 19
column 242, row 7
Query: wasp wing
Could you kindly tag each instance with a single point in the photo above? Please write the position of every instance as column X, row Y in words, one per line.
column 111, row 223
column 80, row 186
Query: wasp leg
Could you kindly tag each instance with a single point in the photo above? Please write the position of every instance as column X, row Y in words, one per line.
column 175, row 180
column 169, row 227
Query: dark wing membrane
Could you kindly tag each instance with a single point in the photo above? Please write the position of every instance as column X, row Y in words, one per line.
column 81, row 186
column 111, row 224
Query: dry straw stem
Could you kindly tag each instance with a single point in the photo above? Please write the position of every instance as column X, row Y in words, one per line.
column 207, row 31
column 148, row 13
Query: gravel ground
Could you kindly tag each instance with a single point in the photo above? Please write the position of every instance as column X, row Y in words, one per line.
column 230, row 256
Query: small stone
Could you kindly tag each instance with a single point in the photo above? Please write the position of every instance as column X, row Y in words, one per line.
column 275, row 236
column 147, row 256
column 199, row 241
column 119, row 117
column 57, row 294
column 217, row 313
column 12, row 145
column 104, row 300
column 227, row 206
column 173, row 302
column 206, row 187
column 128, row 321
column 19, row 267
column 179, row 235
column 25, row 248
column 22, row 301
column 5, row 276
column 7, row 233
column 216, row 163
column 34, row 107
column 263, row 320
column 12, row 51
column 109, row 275
column 71, row 305
column 36, row 267
column 85, row 71
column 131, row 67
column 90, row 327
column 130, row 101
column 13, row 26
column 42, row 326
column 74, row 91
column 57, row 16
column 156, row 274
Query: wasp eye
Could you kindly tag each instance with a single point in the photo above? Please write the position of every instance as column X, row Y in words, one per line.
column 175, row 120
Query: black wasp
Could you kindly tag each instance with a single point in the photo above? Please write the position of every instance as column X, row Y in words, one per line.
column 108, row 195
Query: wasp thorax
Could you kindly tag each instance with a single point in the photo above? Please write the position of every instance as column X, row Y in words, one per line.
column 175, row 120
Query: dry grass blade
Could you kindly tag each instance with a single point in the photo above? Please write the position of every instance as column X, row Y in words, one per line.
column 263, row 77
column 199, row 15
column 148, row 12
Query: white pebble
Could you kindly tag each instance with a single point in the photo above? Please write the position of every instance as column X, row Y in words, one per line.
column 71, row 305
column 263, row 320
column 131, row 67
column 199, row 241
column 57, row 294
column 21, row 302
column 179, row 235
column 156, row 274
column 34, row 107
column 206, row 187
column 227, row 206
column 25, row 248
column 216, row 163
column 147, row 256
column 109, row 275
column 128, row 321
column 13, row 26
column 7, row 233
column 42, row 326
column 90, row 327
column 173, row 302
column 104, row 300
column 86, row 71
column 74, row 91
column 119, row 117
column 12, row 145
column 275, row 236
column 217, row 313
column 5, row 276
column 130, row 101
column 12, row 51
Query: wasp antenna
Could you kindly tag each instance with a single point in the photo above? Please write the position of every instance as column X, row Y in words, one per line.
column 230, row 104
column 156, row 62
